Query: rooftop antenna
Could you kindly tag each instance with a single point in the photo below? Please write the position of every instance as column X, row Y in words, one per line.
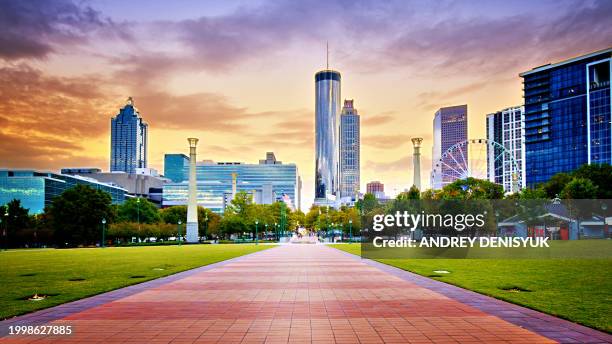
column 327, row 52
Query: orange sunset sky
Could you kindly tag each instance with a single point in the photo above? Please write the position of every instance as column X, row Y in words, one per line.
column 239, row 75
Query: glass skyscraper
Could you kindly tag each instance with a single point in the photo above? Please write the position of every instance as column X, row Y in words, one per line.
column 349, row 151
column 37, row 189
column 174, row 167
column 506, row 166
column 327, row 110
column 268, row 182
column 128, row 140
column 450, row 126
column 567, row 115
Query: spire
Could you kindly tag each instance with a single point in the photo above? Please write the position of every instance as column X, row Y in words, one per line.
column 130, row 101
column 327, row 55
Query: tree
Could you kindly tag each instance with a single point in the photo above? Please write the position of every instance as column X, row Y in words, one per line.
column 173, row 214
column 579, row 188
column 368, row 203
column 472, row 188
column 600, row 175
column 138, row 210
column 413, row 193
column 15, row 223
column 553, row 187
column 208, row 222
column 77, row 214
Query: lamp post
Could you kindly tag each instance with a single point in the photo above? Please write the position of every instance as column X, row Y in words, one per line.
column 138, row 212
column 205, row 224
column 5, row 229
column 276, row 230
column 351, row 229
column 179, row 232
column 266, row 232
column 103, row 231
column 256, row 236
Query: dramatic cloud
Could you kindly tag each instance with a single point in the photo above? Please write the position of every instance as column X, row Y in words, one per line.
column 35, row 28
column 384, row 141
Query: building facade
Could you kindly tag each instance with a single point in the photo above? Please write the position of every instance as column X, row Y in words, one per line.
column 376, row 188
column 450, row 126
column 327, row 110
column 506, row 157
column 349, row 151
column 217, row 182
column 567, row 115
column 174, row 167
column 129, row 134
column 36, row 189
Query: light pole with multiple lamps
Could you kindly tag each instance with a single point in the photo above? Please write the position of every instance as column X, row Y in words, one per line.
column 256, row 234
column 103, row 232
column 179, row 232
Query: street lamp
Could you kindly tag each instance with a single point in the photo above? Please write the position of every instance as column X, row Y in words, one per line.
column 256, row 236
column 276, row 230
column 205, row 224
column 351, row 229
column 5, row 229
column 138, row 211
column 266, row 233
column 179, row 232
column 103, row 231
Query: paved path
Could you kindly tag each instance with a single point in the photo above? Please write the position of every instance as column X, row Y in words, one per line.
column 289, row 294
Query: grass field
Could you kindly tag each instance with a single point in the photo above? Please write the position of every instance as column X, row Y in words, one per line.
column 573, row 289
column 71, row 274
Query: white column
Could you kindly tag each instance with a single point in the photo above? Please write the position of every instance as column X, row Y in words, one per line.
column 192, row 205
column 416, row 143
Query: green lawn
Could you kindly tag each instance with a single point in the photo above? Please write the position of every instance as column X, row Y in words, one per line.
column 71, row 274
column 579, row 290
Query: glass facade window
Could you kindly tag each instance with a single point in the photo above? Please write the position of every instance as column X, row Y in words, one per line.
column 129, row 135
column 349, row 151
column 214, row 184
column 567, row 116
column 175, row 167
column 36, row 190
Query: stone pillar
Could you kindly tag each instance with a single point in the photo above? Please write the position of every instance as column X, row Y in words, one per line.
column 416, row 143
column 192, row 204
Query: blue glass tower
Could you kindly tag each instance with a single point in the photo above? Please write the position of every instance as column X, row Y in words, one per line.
column 128, row 140
column 175, row 166
column 567, row 115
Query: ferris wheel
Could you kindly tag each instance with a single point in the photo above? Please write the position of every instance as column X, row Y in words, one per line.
column 478, row 158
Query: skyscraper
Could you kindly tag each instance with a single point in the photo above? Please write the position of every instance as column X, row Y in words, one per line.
column 128, row 140
column 506, row 158
column 327, row 109
column 450, row 126
column 567, row 115
column 349, row 151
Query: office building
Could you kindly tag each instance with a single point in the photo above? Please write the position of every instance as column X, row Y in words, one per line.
column 567, row 115
column 349, row 151
column 128, row 140
column 36, row 189
column 506, row 148
column 145, row 182
column 327, row 110
column 377, row 189
column 174, row 167
column 450, row 126
column 217, row 183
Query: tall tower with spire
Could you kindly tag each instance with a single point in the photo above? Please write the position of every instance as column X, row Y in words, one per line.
column 129, row 134
column 327, row 110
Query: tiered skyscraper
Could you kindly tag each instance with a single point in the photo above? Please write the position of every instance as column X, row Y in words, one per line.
column 349, row 151
column 506, row 166
column 327, row 109
column 567, row 115
column 128, row 140
column 450, row 126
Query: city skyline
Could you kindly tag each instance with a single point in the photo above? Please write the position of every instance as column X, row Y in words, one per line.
column 60, row 84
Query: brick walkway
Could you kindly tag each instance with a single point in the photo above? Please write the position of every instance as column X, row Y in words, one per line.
column 289, row 294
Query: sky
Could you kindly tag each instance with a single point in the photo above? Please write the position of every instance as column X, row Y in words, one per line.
column 239, row 75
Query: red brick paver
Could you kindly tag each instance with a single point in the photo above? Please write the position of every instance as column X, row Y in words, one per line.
column 289, row 294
